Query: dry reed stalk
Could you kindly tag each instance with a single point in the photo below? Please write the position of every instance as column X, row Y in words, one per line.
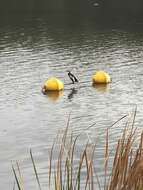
column 35, row 170
column 127, row 169
column 127, row 164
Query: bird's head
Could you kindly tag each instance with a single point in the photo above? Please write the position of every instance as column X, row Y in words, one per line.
column 44, row 89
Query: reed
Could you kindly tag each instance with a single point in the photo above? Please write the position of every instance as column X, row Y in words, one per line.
column 69, row 172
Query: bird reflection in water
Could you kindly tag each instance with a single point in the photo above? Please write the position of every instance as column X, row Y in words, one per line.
column 102, row 88
column 71, row 94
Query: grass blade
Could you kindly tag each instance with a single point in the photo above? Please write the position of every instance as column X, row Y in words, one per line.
column 35, row 170
column 16, row 178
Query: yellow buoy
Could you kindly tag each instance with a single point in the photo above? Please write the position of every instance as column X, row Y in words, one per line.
column 101, row 77
column 53, row 84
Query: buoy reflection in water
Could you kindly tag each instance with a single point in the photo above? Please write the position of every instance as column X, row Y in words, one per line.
column 102, row 88
column 54, row 95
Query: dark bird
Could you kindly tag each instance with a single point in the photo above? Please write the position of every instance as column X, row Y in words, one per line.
column 72, row 77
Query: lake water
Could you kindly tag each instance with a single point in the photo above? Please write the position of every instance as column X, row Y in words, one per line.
column 34, row 49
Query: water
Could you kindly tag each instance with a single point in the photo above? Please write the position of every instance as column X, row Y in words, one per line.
column 34, row 49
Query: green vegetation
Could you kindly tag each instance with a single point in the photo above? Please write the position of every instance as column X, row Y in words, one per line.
column 69, row 172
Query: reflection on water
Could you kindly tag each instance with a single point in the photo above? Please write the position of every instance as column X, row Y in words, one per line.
column 54, row 95
column 72, row 92
column 103, row 88
column 34, row 49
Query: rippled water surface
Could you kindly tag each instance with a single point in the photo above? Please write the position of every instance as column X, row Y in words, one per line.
column 34, row 49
